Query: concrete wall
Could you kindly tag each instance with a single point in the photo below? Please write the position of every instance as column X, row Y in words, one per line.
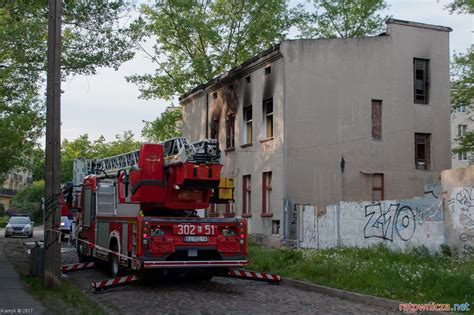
column 329, row 85
column 459, row 208
column 399, row 224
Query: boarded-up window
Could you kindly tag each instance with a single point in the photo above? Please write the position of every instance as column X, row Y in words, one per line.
column 377, row 187
column 266, row 192
column 377, row 119
column 248, row 125
column 421, row 80
column 230, row 131
column 268, row 116
column 246, row 194
column 422, row 151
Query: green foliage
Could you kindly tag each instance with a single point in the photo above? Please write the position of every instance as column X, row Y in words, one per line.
column 66, row 296
column 197, row 40
column 167, row 126
column 461, row 7
column 38, row 161
column 92, row 38
column 418, row 276
column 82, row 147
column 340, row 18
column 2, row 210
column 30, row 199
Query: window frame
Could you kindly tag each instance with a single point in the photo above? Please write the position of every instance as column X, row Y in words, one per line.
column 268, row 118
column 425, row 81
column 247, row 195
column 427, row 151
column 462, row 130
column 380, row 188
column 267, row 178
column 248, row 125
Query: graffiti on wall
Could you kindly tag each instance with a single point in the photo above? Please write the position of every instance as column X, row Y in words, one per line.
column 383, row 224
column 462, row 206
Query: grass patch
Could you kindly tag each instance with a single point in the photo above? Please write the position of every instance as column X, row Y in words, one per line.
column 66, row 296
column 416, row 276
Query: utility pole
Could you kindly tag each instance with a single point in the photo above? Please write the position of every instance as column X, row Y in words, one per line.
column 52, row 246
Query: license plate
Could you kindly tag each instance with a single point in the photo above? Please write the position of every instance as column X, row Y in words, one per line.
column 195, row 229
column 195, row 239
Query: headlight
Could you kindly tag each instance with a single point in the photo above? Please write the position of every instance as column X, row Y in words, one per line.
column 27, row 227
column 9, row 227
column 62, row 223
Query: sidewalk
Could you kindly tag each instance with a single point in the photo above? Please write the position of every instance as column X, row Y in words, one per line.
column 13, row 296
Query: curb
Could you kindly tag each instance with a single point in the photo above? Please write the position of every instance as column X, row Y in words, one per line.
column 348, row 295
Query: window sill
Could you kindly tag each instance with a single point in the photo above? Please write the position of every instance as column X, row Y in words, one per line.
column 266, row 215
column 266, row 140
column 229, row 215
column 229, row 150
column 246, row 215
column 246, row 145
column 213, row 215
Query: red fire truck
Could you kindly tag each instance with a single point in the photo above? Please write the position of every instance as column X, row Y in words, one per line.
column 138, row 211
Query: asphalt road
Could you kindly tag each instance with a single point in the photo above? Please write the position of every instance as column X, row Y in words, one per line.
column 218, row 296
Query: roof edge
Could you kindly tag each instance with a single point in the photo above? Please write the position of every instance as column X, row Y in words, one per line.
column 420, row 25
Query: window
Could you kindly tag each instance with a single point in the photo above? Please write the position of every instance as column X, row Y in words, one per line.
column 268, row 70
column 462, row 156
column 268, row 116
column 461, row 108
column 377, row 119
column 275, row 226
column 230, row 131
column 246, row 195
column 422, row 151
column 462, row 130
column 248, row 124
column 377, row 187
column 421, row 80
column 266, row 192
column 247, row 79
column 214, row 95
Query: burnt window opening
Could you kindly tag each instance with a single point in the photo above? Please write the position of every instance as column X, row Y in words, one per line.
column 421, row 80
column 247, row 79
column 214, row 95
column 230, row 131
column 377, row 119
column 215, row 129
column 422, row 151
column 246, row 194
column 377, row 187
column 268, row 116
column 248, row 125
column 462, row 130
column 231, row 87
column 275, row 226
column 266, row 192
column 268, row 70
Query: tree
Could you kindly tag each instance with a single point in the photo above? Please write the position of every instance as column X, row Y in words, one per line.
column 197, row 40
column 38, row 164
column 92, row 38
column 340, row 18
column 462, row 80
column 461, row 7
column 83, row 147
column 167, row 126
column 30, row 200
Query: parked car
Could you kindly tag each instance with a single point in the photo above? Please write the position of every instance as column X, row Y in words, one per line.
column 19, row 226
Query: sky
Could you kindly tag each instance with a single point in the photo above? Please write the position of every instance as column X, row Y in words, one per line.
column 105, row 104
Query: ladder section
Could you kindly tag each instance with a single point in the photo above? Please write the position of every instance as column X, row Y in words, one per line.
column 118, row 162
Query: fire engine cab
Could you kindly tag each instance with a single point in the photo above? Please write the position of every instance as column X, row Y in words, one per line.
column 137, row 211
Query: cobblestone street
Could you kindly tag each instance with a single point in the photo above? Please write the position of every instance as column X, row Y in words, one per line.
column 218, row 296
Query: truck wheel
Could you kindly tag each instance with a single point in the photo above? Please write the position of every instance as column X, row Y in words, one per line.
column 114, row 262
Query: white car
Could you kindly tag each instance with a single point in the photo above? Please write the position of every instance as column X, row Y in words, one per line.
column 19, row 226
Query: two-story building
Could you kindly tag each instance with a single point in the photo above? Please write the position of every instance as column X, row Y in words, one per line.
column 323, row 120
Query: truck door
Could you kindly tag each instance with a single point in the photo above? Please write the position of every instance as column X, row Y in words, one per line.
column 88, row 210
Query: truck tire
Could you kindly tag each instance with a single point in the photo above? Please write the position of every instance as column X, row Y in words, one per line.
column 114, row 262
